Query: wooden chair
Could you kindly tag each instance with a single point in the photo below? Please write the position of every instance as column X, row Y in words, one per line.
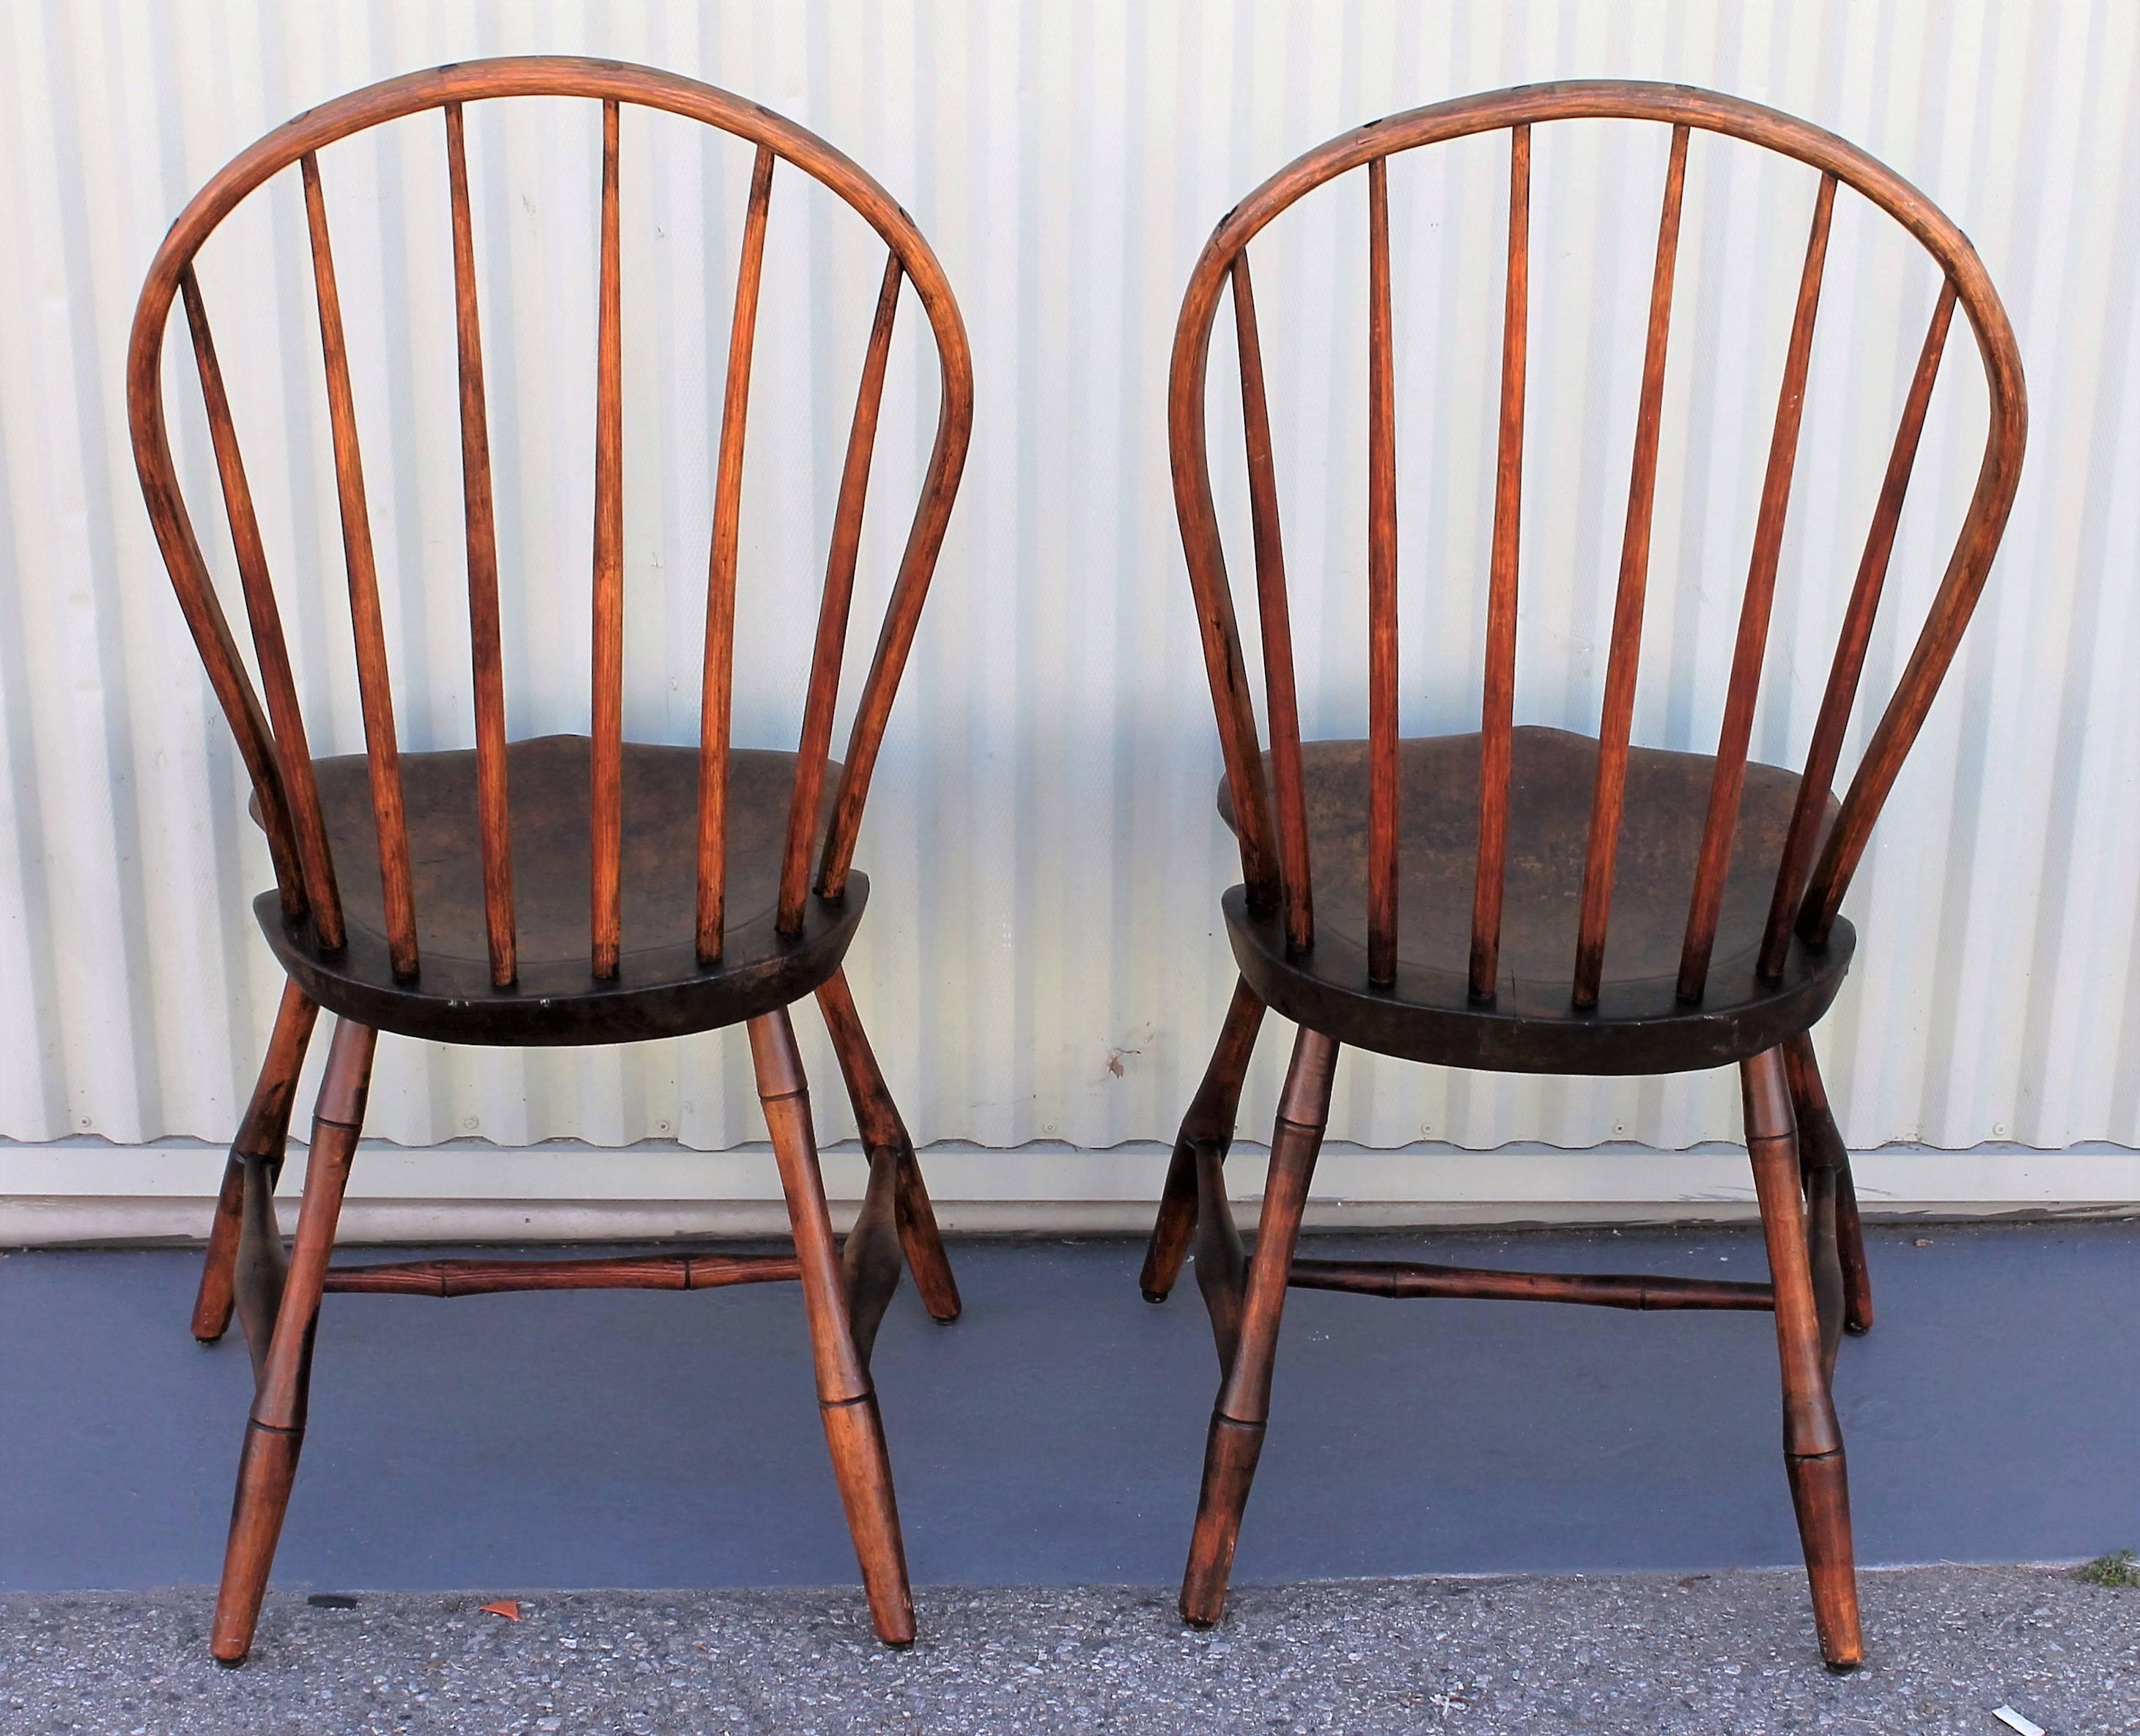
column 412, row 896
column 1726, row 946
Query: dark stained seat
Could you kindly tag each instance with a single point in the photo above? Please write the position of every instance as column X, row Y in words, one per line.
column 1640, row 1024
column 660, row 989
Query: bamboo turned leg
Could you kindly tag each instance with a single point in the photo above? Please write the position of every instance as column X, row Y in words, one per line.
column 1822, row 1143
column 275, row 1430
column 1237, row 1421
column 260, row 1134
column 1812, row 1441
column 884, row 1134
column 853, row 1430
column 1209, row 1124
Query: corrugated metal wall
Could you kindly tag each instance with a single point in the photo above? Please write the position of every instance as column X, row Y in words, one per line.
column 1042, row 958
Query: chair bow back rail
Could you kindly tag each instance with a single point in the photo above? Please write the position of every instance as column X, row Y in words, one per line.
column 1727, row 945
column 566, row 889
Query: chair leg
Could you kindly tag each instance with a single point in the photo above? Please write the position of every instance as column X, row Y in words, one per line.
column 870, row 1256
column 885, row 1134
column 1236, row 1439
column 1812, row 1441
column 1820, row 1137
column 275, row 1429
column 1209, row 1124
column 1222, row 1269
column 262, row 1134
column 853, row 1430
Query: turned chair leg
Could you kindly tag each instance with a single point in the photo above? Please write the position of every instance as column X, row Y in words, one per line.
column 1207, row 1130
column 261, row 1135
column 1812, row 1441
column 1822, row 1143
column 902, row 1203
column 275, row 1429
column 846, row 1402
column 1236, row 1439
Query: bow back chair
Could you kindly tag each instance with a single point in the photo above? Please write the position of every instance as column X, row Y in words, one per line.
column 566, row 889
column 1721, row 878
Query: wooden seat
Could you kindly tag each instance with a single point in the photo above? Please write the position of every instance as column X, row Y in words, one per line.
column 1640, row 1024
column 1530, row 901
column 660, row 988
column 571, row 889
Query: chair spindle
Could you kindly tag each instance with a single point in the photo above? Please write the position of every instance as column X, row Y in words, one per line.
column 717, row 693
column 1736, row 734
column 1498, row 707
column 1381, row 592
column 833, row 608
column 1280, row 697
column 482, row 541
column 1626, row 653
column 1828, row 729
column 605, row 798
column 375, row 688
column 321, row 896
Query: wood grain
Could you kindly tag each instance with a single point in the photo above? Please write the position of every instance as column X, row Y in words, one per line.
column 1625, row 657
column 606, row 770
column 1737, row 730
column 313, row 891
column 1606, row 1290
column 1498, row 706
column 481, row 533
column 1381, row 591
column 1280, row 697
column 834, row 606
column 1834, row 720
column 717, row 692
column 374, row 684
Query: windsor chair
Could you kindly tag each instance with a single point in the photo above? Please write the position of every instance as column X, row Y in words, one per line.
column 411, row 895
column 1722, row 878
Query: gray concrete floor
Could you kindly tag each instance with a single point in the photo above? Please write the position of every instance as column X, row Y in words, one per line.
column 1730, row 1655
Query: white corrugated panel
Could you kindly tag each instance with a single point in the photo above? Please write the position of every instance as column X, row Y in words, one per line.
column 1043, row 958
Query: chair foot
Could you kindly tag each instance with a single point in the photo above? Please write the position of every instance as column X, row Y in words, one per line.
column 1209, row 1121
column 1850, row 1244
column 1820, row 1494
column 266, row 1469
column 1230, row 1453
column 854, row 1432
